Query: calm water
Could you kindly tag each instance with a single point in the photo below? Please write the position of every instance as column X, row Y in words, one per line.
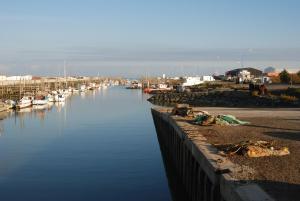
column 100, row 145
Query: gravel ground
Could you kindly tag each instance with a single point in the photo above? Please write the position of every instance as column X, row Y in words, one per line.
column 277, row 175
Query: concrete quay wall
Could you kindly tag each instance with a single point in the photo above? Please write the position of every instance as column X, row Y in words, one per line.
column 205, row 175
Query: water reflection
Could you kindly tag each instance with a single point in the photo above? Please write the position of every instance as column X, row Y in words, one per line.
column 40, row 111
column 175, row 183
column 60, row 106
column 24, row 110
column 82, row 94
column 3, row 115
column 100, row 145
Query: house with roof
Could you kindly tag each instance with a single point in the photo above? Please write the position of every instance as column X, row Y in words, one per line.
column 243, row 75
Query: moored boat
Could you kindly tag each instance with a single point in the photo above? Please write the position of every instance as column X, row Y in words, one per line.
column 40, row 100
column 60, row 98
column 26, row 101
column 66, row 93
column 51, row 98
column 11, row 104
column 82, row 88
column 3, row 107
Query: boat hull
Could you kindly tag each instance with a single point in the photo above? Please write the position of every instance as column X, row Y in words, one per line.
column 40, row 102
column 23, row 105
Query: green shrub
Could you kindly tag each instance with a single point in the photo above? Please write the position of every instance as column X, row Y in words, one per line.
column 285, row 77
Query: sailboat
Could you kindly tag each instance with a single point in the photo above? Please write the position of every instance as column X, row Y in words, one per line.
column 26, row 101
column 40, row 100
column 11, row 104
column 83, row 88
column 51, row 98
column 60, row 98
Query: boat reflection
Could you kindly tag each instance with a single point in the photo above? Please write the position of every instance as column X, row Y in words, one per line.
column 40, row 111
column 5, row 114
column 82, row 95
column 60, row 106
column 24, row 110
column 42, row 107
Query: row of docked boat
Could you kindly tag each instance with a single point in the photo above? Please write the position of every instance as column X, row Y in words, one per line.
column 45, row 98
column 30, row 100
column 93, row 86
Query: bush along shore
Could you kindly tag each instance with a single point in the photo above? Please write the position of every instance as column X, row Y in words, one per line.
column 228, row 98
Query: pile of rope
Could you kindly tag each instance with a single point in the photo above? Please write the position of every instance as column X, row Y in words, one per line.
column 183, row 110
column 252, row 149
column 206, row 119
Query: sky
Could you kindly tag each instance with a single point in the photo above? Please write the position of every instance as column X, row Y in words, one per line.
column 137, row 38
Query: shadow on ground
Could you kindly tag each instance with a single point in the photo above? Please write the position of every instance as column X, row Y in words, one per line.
column 284, row 135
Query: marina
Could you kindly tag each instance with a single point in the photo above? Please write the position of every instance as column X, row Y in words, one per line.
column 185, row 155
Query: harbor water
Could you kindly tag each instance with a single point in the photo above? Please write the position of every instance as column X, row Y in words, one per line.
column 99, row 145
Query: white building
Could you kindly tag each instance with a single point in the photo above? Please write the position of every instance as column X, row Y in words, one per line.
column 18, row 78
column 244, row 76
column 2, row 77
column 191, row 81
column 207, row 78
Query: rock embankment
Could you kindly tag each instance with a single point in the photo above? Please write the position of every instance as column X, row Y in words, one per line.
column 231, row 98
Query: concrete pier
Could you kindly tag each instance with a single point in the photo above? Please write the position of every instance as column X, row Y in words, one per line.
column 205, row 175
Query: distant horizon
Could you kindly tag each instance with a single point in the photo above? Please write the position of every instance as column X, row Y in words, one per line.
column 159, row 74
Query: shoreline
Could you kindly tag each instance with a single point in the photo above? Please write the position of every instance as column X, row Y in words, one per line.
column 225, row 98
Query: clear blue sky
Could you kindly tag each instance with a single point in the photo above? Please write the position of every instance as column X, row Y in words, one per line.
column 134, row 37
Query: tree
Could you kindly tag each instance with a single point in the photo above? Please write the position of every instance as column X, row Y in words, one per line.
column 298, row 73
column 285, row 77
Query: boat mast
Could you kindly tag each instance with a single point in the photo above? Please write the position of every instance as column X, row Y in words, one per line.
column 20, row 89
column 65, row 73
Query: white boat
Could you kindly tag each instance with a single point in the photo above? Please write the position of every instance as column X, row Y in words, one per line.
column 60, row 98
column 66, row 93
column 70, row 90
column 40, row 100
column 26, row 101
column 11, row 104
column 51, row 98
column 3, row 107
column 75, row 90
column 104, row 85
column 92, row 86
column 40, row 107
column 82, row 88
